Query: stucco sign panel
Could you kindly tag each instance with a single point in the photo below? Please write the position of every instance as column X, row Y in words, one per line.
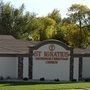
column 51, row 53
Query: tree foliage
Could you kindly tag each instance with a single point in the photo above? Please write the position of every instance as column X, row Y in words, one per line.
column 79, row 15
column 73, row 30
column 45, row 30
column 55, row 15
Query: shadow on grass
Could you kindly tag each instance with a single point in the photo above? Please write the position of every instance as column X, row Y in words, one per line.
column 68, row 86
column 35, row 83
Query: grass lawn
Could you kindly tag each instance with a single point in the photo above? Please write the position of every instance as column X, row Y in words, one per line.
column 45, row 86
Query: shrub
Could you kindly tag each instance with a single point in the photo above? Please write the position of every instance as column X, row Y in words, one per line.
column 8, row 77
column 25, row 78
column 1, row 78
column 87, row 79
column 56, row 79
column 42, row 79
column 74, row 80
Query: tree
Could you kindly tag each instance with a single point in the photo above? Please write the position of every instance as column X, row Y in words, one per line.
column 59, row 34
column 79, row 15
column 67, row 20
column 10, row 18
column 13, row 21
column 45, row 28
column 5, row 18
column 55, row 15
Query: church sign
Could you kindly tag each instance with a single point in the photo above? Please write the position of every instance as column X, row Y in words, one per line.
column 51, row 54
column 51, row 59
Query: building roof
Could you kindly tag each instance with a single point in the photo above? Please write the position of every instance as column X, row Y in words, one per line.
column 6, row 37
column 10, row 45
column 83, row 52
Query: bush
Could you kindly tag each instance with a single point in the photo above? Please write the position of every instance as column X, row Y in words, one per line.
column 25, row 78
column 8, row 77
column 1, row 78
column 56, row 79
column 74, row 80
column 42, row 79
column 87, row 79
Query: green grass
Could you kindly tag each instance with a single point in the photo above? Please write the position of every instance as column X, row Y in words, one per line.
column 45, row 86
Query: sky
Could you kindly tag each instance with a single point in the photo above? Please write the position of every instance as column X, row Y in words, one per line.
column 43, row 7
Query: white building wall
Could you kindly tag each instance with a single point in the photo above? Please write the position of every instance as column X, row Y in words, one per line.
column 61, row 70
column 76, row 68
column 86, row 67
column 25, row 67
column 8, row 67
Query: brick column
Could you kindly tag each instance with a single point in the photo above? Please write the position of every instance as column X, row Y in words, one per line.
column 71, row 65
column 30, row 62
column 20, row 67
column 80, row 68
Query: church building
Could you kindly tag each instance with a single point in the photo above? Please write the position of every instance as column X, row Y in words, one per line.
column 50, row 59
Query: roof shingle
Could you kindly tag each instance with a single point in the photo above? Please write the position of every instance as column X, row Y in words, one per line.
column 10, row 45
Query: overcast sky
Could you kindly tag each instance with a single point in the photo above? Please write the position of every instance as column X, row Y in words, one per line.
column 43, row 7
